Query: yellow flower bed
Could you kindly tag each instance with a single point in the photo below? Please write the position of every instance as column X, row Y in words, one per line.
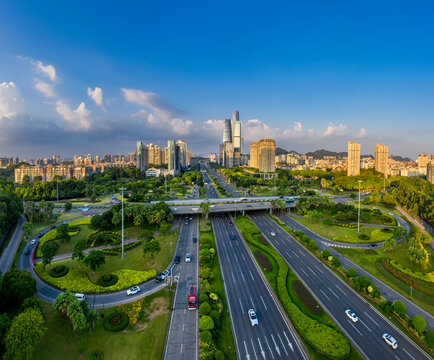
column 84, row 221
column 77, row 281
column 132, row 310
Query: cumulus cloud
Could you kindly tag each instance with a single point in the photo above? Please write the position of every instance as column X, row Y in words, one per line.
column 139, row 114
column 96, row 96
column 78, row 119
column 362, row 133
column 46, row 88
column 47, row 70
column 11, row 102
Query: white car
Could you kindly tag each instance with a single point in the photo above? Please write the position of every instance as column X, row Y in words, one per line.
column 166, row 272
column 273, row 233
column 253, row 318
column 390, row 340
column 352, row 315
column 187, row 257
column 134, row 290
column 33, row 242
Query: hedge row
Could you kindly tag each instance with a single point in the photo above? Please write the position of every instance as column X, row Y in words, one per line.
column 59, row 271
column 322, row 338
column 107, row 280
column 117, row 249
column 352, row 226
column 121, row 321
column 426, row 277
column 77, row 280
column 132, row 309
column 83, row 221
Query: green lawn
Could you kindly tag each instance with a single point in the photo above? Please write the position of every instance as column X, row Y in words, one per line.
column 344, row 234
column 225, row 341
column 56, row 218
column 140, row 342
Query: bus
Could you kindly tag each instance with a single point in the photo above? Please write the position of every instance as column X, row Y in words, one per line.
column 192, row 298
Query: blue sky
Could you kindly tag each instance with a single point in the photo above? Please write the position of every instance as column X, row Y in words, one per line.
column 94, row 77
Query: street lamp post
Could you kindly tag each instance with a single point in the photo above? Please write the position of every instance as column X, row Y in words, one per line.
column 122, row 189
column 358, row 213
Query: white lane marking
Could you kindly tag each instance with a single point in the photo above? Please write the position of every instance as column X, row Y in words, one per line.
column 247, row 353
column 233, row 278
column 340, row 290
column 296, row 254
column 287, row 253
column 333, row 293
column 254, row 307
column 251, row 275
column 243, row 257
column 304, row 272
column 366, row 326
column 241, row 306
column 182, row 347
column 264, row 303
column 254, row 351
column 183, row 326
column 313, row 272
column 227, row 257
column 236, row 259
column 289, row 342
column 301, row 252
column 325, row 294
column 275, row 345
column 397, row 357
column 351, row 323
column 371, row 319
column 408, row 354
column 243, row 277
column 231, row 244
column 224, row 244
column 319, row 269
column 262, row 351
column 269, row 348
column 283, row 345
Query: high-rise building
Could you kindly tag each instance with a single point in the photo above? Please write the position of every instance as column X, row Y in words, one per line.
column 254, row 154
column 227, row 132
column 173, row 156
column 382, row 159
column 422, row 160
column 267, row 155
column 353, row 158
column 142, row 156
column 430, row 172
column 182, row 153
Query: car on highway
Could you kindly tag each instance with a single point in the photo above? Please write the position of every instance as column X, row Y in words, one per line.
column 186, row 222
column 133, row 291
column 177, row 259
column 80, row 297
column 231, row 224
column 352, row 315
column 390, row 340
column 232, row 236
column 195, row 239
column 273, row 233
column 166, row 272
column 159, row 278
column 187, row 257
column 373, row 245
column 33, row 242
column 253, row 318
column 27, row 252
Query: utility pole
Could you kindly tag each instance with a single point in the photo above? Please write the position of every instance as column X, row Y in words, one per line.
column 358, row 213
column 122, row 189
column 57, row 188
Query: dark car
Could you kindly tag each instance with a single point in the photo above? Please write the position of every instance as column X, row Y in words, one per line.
column 373, row 245
column 195, row 239
column 231, row 223
column 177, row 259
column 232, row 237
column 27, row 252
column 159, row 278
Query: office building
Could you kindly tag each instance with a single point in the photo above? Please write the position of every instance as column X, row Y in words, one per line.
column 227, row 132
column 231, row 149
column 382, row 159
column 353, row 158
column 182, row 145
column 430, row 172
column 267, row 155
column 142, row 156
column 254, row 154
column 173, row 163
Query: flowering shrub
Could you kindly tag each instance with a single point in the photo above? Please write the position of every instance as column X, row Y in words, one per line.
column 83, row 221
column 49, row 236
column 133, row 310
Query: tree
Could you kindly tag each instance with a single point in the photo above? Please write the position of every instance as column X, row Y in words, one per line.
column 351, row 272
column 326, row 253
column 419, row 323
column 399, row 308
column 146, row 235
column 336, row 262
column 389, row 244
column 26, row 330
column 204, row 308
column 94, row 259
column 5, row 324
column 365, row 281
column 206, row 323
column 19, row 285
column 48, row 250
column 27, row 230
column 78, row 251
column 151, row 247
column 205, row 209
column 62, row 232
column 68, row 206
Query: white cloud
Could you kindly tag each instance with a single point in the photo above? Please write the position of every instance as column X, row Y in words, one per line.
column 96, row 96
column 47, row 70
column 78, row 119
column 362, row 133
column 46, row 88
column 139, row 114
column 11, row 102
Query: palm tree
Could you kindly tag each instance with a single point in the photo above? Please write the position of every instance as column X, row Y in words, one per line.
column 205, row 208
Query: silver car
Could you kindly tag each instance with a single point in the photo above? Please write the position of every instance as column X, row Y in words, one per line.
column 253, row 318
column 390, row 340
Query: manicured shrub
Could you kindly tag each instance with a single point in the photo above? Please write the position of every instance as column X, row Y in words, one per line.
column 299, row 233
column 219, row 355
column 386, row 230
column 399, row 308
column 328, row 222
column 212, row 288
column 59, row 271
column 365, row 281
column 203, row 259
column 305, row 238
column 204, row 273
column 429, row 338
column 326, row 253
column 206, row 323
column 32, row 303
column 351, row 272
column 204, row 308
column 214, row 314
column 336, row 262
column 116, row 321
column 203, row 297
column 364, row 236
column 107, row 280
column 356, row 282
column 132, row 309
column 205, row 336
column 313, row 244
column 419, row 323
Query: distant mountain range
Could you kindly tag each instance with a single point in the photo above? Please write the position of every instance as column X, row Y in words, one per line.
column 319, row 154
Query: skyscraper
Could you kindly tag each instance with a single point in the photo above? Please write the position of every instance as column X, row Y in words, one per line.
column 154, row 154
column 227, row 133
column 382, row 159
column 142, row 156
column 182, row 153
column 353, row 158
column 267, row 155
column 254, row 154
column 430, row 172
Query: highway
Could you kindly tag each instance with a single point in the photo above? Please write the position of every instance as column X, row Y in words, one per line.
column 227, row 187
column 336, row 297
column 245, row 289
column 211, row 192
column 8, row 255
column 182, row 335
column 386, row 291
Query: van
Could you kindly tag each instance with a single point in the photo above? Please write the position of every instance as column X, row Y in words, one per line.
column 80, row 297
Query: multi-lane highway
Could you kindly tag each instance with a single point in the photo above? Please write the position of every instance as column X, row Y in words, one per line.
column 227, row 187
column 245, row 289
column 211, row 192
column 182, row 335
column 8, row 255
column 386, row 291
column 336, row 297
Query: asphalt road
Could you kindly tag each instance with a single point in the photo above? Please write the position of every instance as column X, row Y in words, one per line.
column 8, row 255
column 228, row 188
column 386, row 291
column 245, row 289
column 336, row 297
column 182, row 335
column 211, row 192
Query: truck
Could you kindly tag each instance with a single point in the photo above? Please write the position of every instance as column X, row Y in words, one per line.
column 192, row 298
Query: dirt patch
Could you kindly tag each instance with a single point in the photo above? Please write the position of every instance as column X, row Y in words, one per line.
column 306, row 298
column 157, row 307
column 262, row 240
column 263, row 261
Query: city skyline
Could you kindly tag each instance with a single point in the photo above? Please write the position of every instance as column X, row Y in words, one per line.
column 316, row 93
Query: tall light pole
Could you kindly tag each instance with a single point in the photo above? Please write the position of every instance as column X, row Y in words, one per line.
column 358, row 213
column 122, row 189
column 57, row 188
